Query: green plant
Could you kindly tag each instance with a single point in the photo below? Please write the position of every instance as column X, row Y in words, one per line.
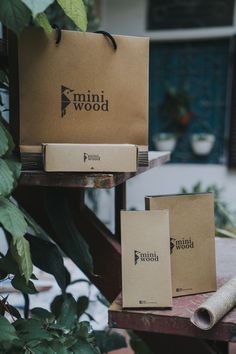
column 17, row 14
column 176, row 108
column 57, row 331
column 224, row 218
column 60, row 330
column 201, row 136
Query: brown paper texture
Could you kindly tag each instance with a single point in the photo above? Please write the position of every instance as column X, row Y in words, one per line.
column 216, row 306
column 192, row 233
column 146, row 272
column 90, row 158
column 81, row 90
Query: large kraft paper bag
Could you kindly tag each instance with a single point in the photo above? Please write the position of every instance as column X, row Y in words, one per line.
column 82, row 90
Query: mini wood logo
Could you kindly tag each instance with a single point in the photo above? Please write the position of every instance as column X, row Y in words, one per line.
column 91, row 157
column 85, row 101
column 145, row 256
column 181, row 244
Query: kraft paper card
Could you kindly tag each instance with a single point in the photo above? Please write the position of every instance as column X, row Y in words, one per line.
column 192, row 245
column 146, row 270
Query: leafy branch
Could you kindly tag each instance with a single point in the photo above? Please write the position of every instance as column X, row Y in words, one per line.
column 60, row 330
column 18, row 14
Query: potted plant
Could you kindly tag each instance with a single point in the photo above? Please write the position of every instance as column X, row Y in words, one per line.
column 203, row 140
column 176, row 108
column 165, row 141
column 202, row 143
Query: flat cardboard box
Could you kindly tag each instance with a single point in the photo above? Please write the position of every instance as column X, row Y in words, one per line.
column 146, row 270
column 32, row 157
column 192, row 232
column 90, row 158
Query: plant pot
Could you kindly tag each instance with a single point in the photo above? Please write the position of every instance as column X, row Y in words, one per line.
column 202, row 143
column 164, row 141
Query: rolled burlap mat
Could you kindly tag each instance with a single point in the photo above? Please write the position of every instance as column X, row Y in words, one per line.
column 216, row 306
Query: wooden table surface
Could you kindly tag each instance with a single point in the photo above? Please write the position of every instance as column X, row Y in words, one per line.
column 177, row 320
column 88, row 180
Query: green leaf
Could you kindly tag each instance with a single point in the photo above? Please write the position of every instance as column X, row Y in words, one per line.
column 58, row 348
column 83, row 330
column 42, row 20
column 8, row 264
column 83, row 347
column 15, row 167
column 33, row 277
column 4, row 78
column 21, row 253
column 14, row 15
column 31, row 329
column 43, row 348
column 69, row 341
column 82, row 305
column 68, row 313
column 109, row 341
column 13, row 311
column 56, row 304
column 19, row 283
column 225, row 233
column 42, row 314
column 7, row 331
column 3, row 140
column 3, row 86
column 2, row 308
column 138, row 345
column 37, row 6
column 10, row 142
column 76, row 11
column 6, row 179
column 66, row 234
column 46, row 256
column 39, row 231
column 12, row 219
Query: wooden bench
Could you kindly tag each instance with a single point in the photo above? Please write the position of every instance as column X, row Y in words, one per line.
column 177, row 320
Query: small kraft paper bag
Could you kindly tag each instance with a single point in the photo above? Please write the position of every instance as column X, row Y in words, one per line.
column 192, row 242
column 145, row 251
column 83, row 90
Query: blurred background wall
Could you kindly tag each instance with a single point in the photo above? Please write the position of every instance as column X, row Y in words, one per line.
column 191, row 70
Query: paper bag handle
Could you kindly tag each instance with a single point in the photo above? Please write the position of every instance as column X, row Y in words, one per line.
column 106, row 34
column 58, row 33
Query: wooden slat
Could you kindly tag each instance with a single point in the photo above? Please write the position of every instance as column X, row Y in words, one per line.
column 177, row 320
column 3, row 53
column 13, row 87
column 88, row 180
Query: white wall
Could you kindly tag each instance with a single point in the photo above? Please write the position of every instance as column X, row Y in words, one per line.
column 170, row 178
column 129, row 17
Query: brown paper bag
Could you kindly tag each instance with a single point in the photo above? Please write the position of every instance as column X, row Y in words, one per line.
column 82, row 90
